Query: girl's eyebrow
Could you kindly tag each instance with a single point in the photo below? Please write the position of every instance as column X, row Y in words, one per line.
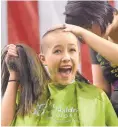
column 56, row 46
column 72, row 44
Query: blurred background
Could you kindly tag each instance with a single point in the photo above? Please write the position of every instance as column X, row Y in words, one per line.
column 26, row 22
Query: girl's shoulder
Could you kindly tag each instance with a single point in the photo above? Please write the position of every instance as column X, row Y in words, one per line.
column 90, row 91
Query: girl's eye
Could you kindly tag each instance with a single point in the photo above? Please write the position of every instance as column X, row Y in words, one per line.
column 57, row 51
column 73, row 50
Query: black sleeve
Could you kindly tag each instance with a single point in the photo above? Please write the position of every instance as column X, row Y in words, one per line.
column 93, row 55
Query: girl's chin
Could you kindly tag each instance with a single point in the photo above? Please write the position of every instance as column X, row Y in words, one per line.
column 66, row 82
column 63, row 80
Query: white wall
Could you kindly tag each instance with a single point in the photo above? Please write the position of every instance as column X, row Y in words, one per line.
column 51, row 13
column 4, row 37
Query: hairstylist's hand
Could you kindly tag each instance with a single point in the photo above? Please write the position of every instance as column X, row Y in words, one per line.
column 76, row 30
column 68, row 28
column 55, row 27
column 11, row 52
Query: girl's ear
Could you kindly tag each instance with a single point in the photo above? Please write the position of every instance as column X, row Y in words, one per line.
column 42, row 59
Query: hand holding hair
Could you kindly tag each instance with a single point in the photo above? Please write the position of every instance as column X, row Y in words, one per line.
column 11, row 54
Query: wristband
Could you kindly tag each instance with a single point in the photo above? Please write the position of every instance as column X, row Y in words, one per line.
column 14, row 81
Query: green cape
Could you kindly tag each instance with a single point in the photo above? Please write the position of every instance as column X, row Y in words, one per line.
column 77, row 104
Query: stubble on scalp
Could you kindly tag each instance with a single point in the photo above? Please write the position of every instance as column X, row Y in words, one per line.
column 48, row 37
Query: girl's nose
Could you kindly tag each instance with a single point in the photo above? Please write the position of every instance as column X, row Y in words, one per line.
column 66, row 58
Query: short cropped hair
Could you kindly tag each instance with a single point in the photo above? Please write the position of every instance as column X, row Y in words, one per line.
column 44, row 44
column 87, row 13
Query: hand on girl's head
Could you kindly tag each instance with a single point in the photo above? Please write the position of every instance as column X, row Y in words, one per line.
column 59, row 26
column 66, row 27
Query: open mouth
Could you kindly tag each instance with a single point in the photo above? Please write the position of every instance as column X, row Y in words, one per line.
column 65, row 71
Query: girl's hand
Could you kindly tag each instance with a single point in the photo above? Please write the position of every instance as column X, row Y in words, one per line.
column 11, row 52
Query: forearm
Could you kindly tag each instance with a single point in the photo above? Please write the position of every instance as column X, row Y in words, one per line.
column 8, row 107
column 107, row 49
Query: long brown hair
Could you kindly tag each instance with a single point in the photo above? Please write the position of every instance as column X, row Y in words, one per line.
column 32, row 76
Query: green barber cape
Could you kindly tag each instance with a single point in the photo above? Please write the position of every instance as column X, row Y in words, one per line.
column 77, row 104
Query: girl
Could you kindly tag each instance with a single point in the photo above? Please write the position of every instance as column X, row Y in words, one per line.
column 54, row 100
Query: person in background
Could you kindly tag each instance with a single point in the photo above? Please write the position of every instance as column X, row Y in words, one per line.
column 102, row 19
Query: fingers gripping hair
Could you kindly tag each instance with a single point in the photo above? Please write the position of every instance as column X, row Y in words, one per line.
column 32, row 75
